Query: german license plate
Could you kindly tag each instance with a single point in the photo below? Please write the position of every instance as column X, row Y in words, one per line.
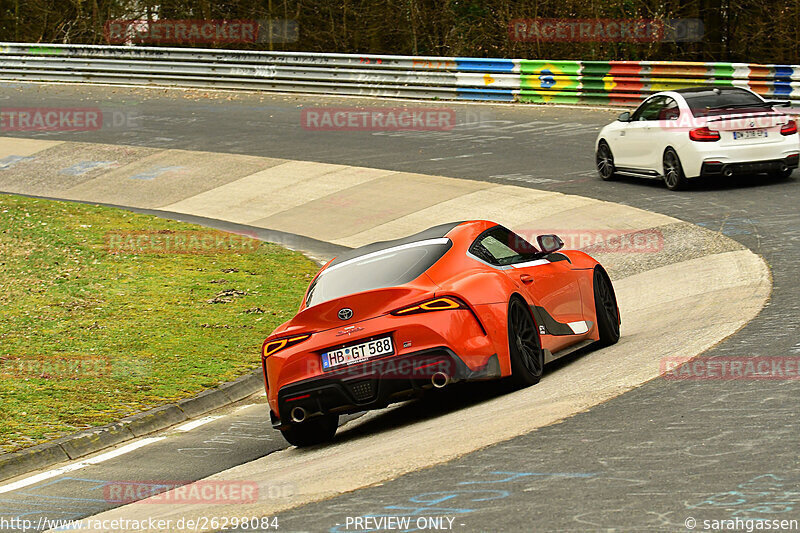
column 357, row 353
column 749, row 134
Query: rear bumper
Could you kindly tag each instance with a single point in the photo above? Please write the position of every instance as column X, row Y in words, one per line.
column 722, row 168
column 375, row 384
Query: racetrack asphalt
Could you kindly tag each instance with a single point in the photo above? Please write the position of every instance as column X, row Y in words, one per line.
column 644, row 461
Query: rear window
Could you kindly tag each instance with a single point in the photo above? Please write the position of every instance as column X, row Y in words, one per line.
column 710, row 103
column 386, row 268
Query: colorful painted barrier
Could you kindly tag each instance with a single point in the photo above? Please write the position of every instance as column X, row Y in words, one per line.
column 441, row 78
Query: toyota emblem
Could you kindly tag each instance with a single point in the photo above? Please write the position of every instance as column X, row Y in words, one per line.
column 345, row 313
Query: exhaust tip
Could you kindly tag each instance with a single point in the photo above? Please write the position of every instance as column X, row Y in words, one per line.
column 728, row 172
column 440, row 380
column 299, row 414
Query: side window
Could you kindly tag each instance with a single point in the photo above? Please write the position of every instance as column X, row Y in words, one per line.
column 650, row 109
column 670, row 111
column 498, row 249
column 500, row 246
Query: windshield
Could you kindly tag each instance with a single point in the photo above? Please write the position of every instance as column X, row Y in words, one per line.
column 386, row 268
column 721, row 102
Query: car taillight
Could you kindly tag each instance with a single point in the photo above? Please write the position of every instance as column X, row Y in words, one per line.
column 790, row 128
column 271, row 347
column 703, row 135
column 437, row 304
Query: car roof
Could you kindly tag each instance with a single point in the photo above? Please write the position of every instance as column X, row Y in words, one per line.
column 708, row 88
column 689, row 92
column 436, row 232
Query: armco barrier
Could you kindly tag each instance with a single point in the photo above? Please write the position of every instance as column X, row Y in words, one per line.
column 446, row 78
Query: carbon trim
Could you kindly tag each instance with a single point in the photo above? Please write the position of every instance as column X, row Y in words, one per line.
column 556, row 257
column 551, row 325
column 435, row 232
column 391, row 379
column 636, row 171
column 747, row 167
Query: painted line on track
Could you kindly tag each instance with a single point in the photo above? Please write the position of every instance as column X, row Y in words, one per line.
column 77, row 466
column 197, row 423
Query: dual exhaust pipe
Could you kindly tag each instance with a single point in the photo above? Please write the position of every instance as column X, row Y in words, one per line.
column 299, row 415
column 728, row 171
column 439, row 380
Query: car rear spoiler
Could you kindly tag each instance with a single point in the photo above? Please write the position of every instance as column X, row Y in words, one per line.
column 722, row 118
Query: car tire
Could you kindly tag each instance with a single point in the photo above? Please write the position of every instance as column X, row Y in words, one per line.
column 780, row 174
column 604, row 162
column 315, row 430
column 606, row 309
column 674, row 178
column 524, row 345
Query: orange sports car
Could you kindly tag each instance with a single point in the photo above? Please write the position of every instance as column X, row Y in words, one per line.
column 457, row 302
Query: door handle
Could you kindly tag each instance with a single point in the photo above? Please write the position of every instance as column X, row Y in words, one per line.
column 526, row 279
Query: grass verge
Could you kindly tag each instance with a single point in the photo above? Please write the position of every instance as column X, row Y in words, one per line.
column 104, row 313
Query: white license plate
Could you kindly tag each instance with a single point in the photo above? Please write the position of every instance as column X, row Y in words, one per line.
column 749, row 134
column 357, row 353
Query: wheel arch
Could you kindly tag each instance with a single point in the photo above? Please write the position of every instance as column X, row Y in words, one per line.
column 518, row 296
column 599, row 268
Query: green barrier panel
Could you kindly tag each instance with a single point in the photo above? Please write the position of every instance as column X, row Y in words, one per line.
column 547, row 79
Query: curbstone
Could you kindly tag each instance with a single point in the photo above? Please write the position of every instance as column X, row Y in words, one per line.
column 29, row 459
column 91, row 441
column 243, row 387
column 154, row 420
column 204, row 402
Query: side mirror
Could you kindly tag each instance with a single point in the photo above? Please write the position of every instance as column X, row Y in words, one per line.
column 549, row 243
column 624, row 117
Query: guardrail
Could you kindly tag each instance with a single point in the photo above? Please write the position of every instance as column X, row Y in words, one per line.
column 446, row 78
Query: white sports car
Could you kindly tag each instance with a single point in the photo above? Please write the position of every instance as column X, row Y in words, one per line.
column 707, row 131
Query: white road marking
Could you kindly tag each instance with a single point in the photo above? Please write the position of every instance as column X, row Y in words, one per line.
column 197, row 423
column 76, row 466
column 458, row 156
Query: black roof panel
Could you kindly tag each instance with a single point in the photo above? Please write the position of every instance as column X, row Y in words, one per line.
column 435, row 232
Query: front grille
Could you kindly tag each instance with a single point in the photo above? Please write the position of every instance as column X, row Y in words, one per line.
column 363, row 390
